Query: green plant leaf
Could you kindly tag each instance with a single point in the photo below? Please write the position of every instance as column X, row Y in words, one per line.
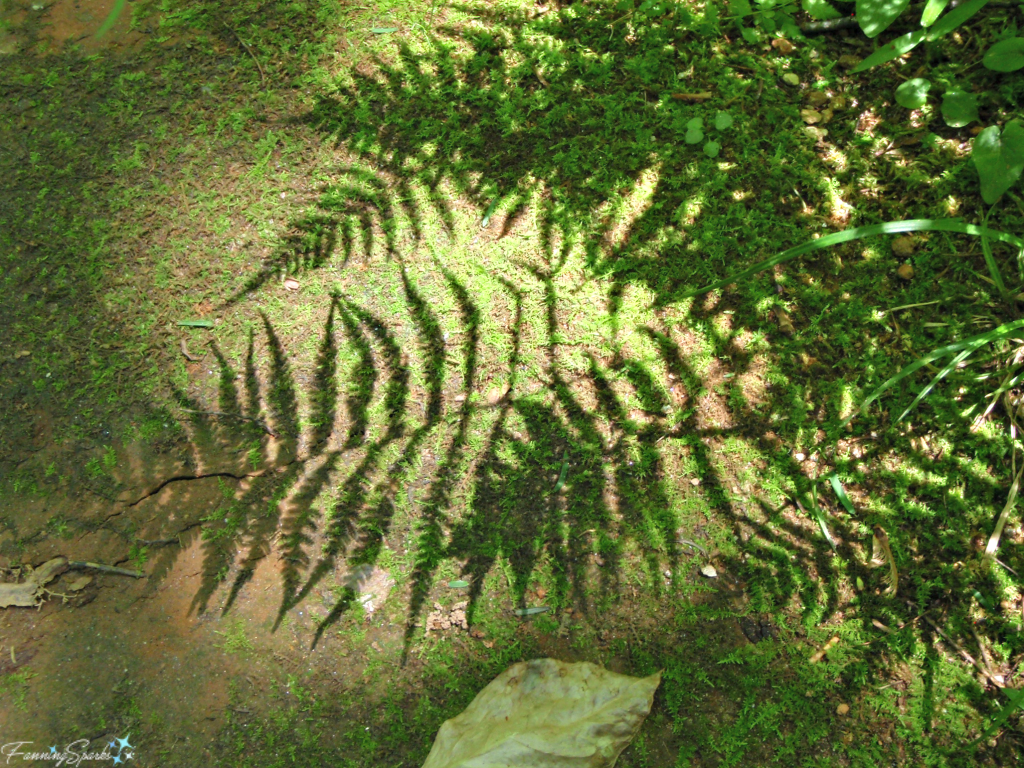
column 384, row 30
column 712, row 148
column 858, row 233
column 458, row 584
column 1016, row 699
column 750, row 34
column 999, row 159
column 891, row 50
column 959, row 108
column 1005, row 56
column 695, row 123
column 723, row 121
column 694, row 136
column 822, row 10
column 931, row 12
column 196, row 323
column 955, row 18
column 913, row 94
column 875, row 15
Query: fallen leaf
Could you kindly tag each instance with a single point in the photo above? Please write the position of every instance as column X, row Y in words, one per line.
column 906, row 272
column 291, row 284
column 531, row 611
column 709, row 571
column 458, row 584
column 791, row 78
column 79, row 584
column 550, row 713
column 196, row 323
column 783, row 46
column 785, row 324
column 815, row 133
column 849, row 61
column 22, row 353
column 819, row 655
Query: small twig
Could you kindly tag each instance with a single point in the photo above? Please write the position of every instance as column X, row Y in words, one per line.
column 263, row 75
column 105, row 568
column 157, row 542
column 257, row 422
column 964, row 653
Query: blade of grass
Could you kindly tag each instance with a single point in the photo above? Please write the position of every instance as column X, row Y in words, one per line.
column 859, row 233
column 990, row 259
column 1016, row 701
column 841, row 493
column 819, row 515
column 968, row 345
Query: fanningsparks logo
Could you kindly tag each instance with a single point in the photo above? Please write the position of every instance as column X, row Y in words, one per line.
column 116, row 752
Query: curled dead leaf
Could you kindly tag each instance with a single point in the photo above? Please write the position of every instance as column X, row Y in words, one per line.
column 709, row 571
column 785, row 324
column 783, row 46
column 819, row 655
column 291, row 284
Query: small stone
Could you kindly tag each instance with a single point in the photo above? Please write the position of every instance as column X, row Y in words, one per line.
column 810, row 116
column 709, row 571
column 799, row 456
column 905, row 272
column 791, row 79
column 695, row 481
column 291, row 284
column 843, row 709
column 849, row 61
column 903, row 247
column 817, row 98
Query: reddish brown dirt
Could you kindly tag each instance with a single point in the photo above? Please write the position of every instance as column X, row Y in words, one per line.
column 50, row 26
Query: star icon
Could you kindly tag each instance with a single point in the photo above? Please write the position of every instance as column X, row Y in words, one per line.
column 112, row 745
column 117, row 759
column 53, row 750
column 123, row 743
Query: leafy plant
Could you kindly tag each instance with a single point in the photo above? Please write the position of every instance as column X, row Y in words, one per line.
column 958, row 351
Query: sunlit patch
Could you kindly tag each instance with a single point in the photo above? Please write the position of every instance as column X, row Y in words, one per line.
column 867, row 121
column 952, row 205
column 741, row 194
column 622, row 214
column 836, row 159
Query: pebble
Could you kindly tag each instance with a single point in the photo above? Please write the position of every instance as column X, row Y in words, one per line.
column 906, row 272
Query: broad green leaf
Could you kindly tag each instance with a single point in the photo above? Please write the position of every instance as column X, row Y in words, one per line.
column 820, row 9
column 723, row 121
column 875, row 15
column 891, row 50
column 955, row 18
column 750, row 34
column 913, row 94
column 931, row 12
column 959, row 108
column 999, row 159
column 695, row 123
column 1005, row 56
column 858, row 233
column 384, row 30
column 458, row 584
column 712, row 148
column 196, row 323
column 694, row 136
column 740, row 8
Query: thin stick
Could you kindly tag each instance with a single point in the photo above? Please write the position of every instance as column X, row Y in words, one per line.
column 1011, row 497
column 105, row 568
column 964, row 653
column 263, row 75
column 257, row 422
